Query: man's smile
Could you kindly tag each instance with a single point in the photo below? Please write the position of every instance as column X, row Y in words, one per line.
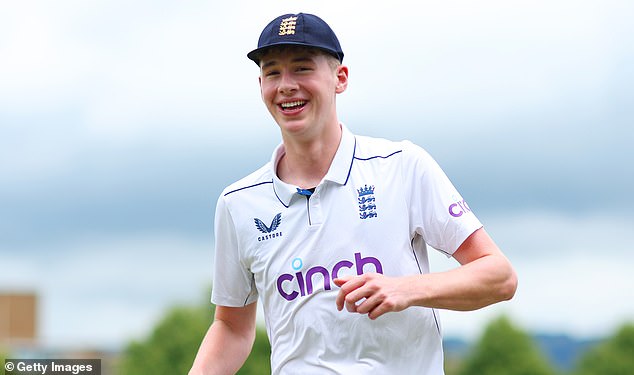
column 292, row 105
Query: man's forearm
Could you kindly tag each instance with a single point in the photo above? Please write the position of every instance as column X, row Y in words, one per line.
column 484, row 277
column 483, row 282
column 223, row 350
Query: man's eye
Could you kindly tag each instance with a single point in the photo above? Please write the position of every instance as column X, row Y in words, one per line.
column 271, row 73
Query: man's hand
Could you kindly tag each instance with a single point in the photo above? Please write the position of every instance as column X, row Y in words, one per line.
column 372, row 293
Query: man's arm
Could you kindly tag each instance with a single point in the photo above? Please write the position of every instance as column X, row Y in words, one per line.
column 228, row 341
column 484, row 277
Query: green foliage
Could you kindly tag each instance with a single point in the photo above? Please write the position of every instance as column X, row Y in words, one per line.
column 502, row 349
column 613, row 357
column 171, row 347
column 452, row 365
column 505, row 349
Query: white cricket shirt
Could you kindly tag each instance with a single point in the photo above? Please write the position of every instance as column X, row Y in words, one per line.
column 374, row 211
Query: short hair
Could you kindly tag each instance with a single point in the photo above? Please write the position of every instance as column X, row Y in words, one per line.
column 333, row 61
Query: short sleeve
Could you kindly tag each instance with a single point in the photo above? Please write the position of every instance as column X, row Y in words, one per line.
column 437, row 211
column 233, row 283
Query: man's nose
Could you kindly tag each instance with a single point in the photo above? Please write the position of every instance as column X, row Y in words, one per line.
column 288, row 84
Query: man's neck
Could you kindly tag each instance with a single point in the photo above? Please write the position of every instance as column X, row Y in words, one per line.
column 306, row 161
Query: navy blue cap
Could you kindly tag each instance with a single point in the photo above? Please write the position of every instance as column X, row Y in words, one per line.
column 300, row 29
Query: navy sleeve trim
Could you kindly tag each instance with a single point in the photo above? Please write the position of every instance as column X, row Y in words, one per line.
column 379, row 156
column 248, row 187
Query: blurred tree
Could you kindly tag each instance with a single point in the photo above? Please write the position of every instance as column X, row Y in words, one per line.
column 171, row 347
column 504, row 349
column 612, row 357
column 452, row 365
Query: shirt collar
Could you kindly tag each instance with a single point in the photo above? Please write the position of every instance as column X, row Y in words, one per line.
column 338, row 172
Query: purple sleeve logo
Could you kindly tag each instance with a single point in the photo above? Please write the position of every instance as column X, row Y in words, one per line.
column 459, row 208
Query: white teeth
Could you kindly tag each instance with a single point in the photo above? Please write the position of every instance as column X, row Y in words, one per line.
column 293, row 104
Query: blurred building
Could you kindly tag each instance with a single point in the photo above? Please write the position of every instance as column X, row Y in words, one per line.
column 18, row 319
column 19, row 334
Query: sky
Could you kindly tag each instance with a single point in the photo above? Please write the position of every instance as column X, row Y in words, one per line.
column 122, row 121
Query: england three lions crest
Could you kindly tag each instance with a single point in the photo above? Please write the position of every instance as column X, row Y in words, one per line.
column 366, row 200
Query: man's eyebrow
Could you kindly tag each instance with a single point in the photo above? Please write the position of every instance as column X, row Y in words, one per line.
column 295, row 60
column 268, row 64
column 302, row 59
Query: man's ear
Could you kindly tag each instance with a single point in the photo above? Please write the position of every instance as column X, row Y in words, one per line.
column 342, row 79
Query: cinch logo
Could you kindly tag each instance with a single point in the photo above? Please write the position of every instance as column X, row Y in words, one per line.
column 277, row 220
column 459, row 208
column 291, row 286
